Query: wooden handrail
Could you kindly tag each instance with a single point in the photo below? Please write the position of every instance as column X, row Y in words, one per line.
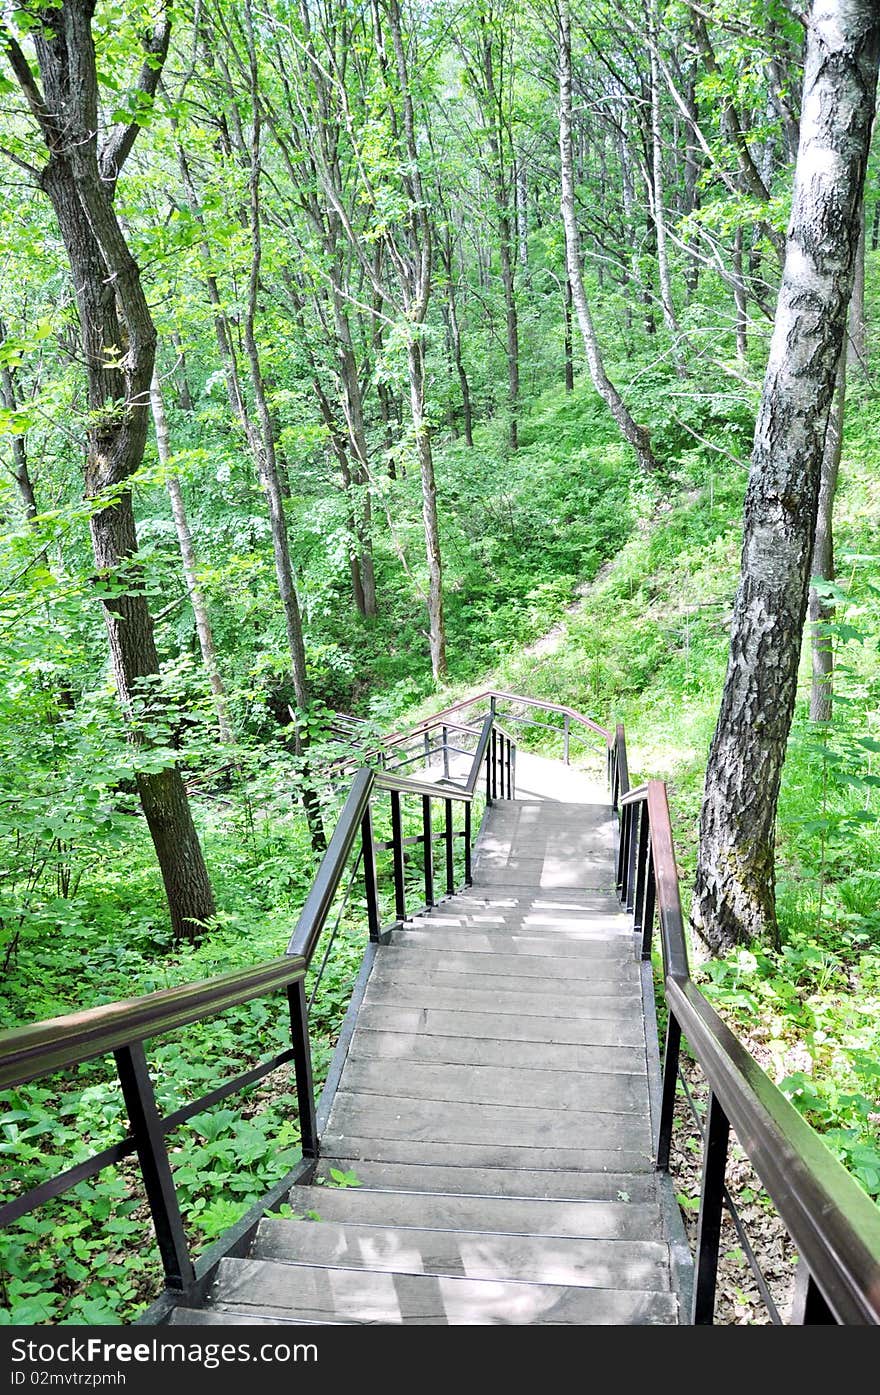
column 60, row 1042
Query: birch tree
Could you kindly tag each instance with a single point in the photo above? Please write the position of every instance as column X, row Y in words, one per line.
column 734, row 898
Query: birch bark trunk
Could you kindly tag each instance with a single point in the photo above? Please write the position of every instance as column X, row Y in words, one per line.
column 734, row 896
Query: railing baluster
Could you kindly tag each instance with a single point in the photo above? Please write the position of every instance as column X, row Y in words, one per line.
column 649, row 901
column 711, row 1201
column 512, row 771
column 468, row 870
column 622, row 859
column 642, row 847
column 371, row 889
column 428, row 845
column 450, row 849
column 667, row 1101
column 489, row 773
column 302, row 1065
column 494, row 763
column 445, row 732
column 146, row 1128
column 427, row 745
column 397, row 855
column 635, row 834
column 566, row 737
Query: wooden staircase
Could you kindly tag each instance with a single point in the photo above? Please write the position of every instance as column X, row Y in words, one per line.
column 495, row 1107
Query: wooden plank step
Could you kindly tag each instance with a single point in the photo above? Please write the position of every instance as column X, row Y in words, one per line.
column 410, row 969
column 270, row 1289
column 521, row 1258
column 491, row 1181
column 421, row 1121
column 525, row 1004
column 372, row 1147
column 497, row 1215
column 391, row 1046
column 609, row 969
column 574, row 901
column 425, row 932
column 502, row 1026
column 527, row 872
column 522, row 1088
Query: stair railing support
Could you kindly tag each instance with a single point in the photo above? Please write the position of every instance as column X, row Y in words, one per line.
column 397, row 857
column 302, row 1065
column 715, row 1143
column 428, row 845
column 149, row 1138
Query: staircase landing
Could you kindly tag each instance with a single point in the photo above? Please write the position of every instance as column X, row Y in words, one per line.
column 494, row 1107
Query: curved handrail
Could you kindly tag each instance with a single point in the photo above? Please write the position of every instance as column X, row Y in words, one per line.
column 499, row 696
column 833, row 1223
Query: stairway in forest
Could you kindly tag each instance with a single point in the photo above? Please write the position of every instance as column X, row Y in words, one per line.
column 495, row 1107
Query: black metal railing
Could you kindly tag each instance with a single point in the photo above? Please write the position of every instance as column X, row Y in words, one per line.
column 39, row 1050
column 834, row 1225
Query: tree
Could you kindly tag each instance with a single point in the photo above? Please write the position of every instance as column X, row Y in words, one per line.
column 734, row 897
column 118, row 344
column 637, row 435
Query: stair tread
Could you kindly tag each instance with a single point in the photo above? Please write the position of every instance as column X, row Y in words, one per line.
column 518, row 1258
column 419, row 958
column 502, row 1026
column 609, row 1221
column 266, row 1287
column 521, row 1087
column 373, row 1147
column 392, row 1116
column 408, row 968
column 462, row 1180
column 413, row 1046
column 518, row 1003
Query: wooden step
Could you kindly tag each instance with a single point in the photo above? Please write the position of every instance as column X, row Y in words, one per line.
column 518, row 1258
column 611, row 969
column 587, row 949
column 370, row 1146
column 392, row 1047
column 271, row 1289
column 491, row 1181
column 422, row 1121
column 574, row 1219
column 582, row 1007
column 502, row 1026
column 520, row 1087
column 410, row 967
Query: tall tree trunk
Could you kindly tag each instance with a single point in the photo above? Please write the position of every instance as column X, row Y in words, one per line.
column 821, row 608
column 734, row 896
column 436, row 620
column 20, row 469
column 502, row 181
column 637, row 436
column 190, row 568
column 80, row 181
column 739, row 296
column 263, row 448
column 658, row 194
